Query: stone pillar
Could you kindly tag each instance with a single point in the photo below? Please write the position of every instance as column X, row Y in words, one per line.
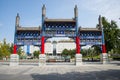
column 104, row 54
column 14, row 58
column 15, row 49
column 42, row 56
column 42, row 60
column 42, row 45
column 78, row 55
column 77, row 45
column 104, row 58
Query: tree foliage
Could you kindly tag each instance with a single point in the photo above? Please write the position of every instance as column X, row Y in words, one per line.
column 19, row 51
column 70, row 53
column 65, row 52
column 5, row 49
column 92, row 52
column 36, row 54
column 112, row 35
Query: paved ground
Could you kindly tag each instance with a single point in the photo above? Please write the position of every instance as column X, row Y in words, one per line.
column 60, row 72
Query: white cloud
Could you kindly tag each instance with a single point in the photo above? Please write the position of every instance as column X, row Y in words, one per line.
column 108, row 8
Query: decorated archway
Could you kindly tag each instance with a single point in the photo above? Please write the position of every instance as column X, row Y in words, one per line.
column 58, row 28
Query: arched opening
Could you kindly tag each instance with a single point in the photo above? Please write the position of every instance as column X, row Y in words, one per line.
column 55, row 49
column 91, row 53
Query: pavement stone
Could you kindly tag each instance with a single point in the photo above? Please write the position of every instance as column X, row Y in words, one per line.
column 57, row 72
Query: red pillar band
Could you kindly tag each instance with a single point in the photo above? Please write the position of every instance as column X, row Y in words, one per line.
column 15, row 49
column 42, row 45
column 103, row 48
column 77, row 45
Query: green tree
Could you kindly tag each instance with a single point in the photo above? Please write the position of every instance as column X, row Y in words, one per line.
column 36, row 54
column 4, row 49
column 84, row 52
column 97, row 50
column 112, row 35
column 19, row 51
column 70, row 53
column 93, row 52
column 1, row 53
column 11, row 48
column 65, row 52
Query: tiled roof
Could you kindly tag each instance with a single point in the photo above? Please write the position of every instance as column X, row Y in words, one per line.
column 28, row 28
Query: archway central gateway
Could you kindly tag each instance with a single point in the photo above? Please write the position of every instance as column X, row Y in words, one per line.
column 57, row 28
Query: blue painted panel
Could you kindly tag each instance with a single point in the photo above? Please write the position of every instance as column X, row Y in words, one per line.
column 60, row 29
column 103, row 41
column 91, row 43
column 20, row 43
column 28, row 49
column 60, row 32
column 36, row 43
column 90, row 37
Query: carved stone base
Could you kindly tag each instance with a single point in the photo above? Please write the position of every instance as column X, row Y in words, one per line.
column 78, row 59
column 42, row 60
column 14, row 60
column 104, row 58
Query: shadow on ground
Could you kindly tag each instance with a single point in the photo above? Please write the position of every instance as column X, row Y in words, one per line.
column 91, row 75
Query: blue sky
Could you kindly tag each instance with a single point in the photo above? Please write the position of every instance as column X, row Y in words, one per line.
column 30, row 12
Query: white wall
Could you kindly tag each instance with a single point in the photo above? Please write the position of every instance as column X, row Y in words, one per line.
column 48, row 47
column 32, row 48
column 60, row 46
column 68, row 45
